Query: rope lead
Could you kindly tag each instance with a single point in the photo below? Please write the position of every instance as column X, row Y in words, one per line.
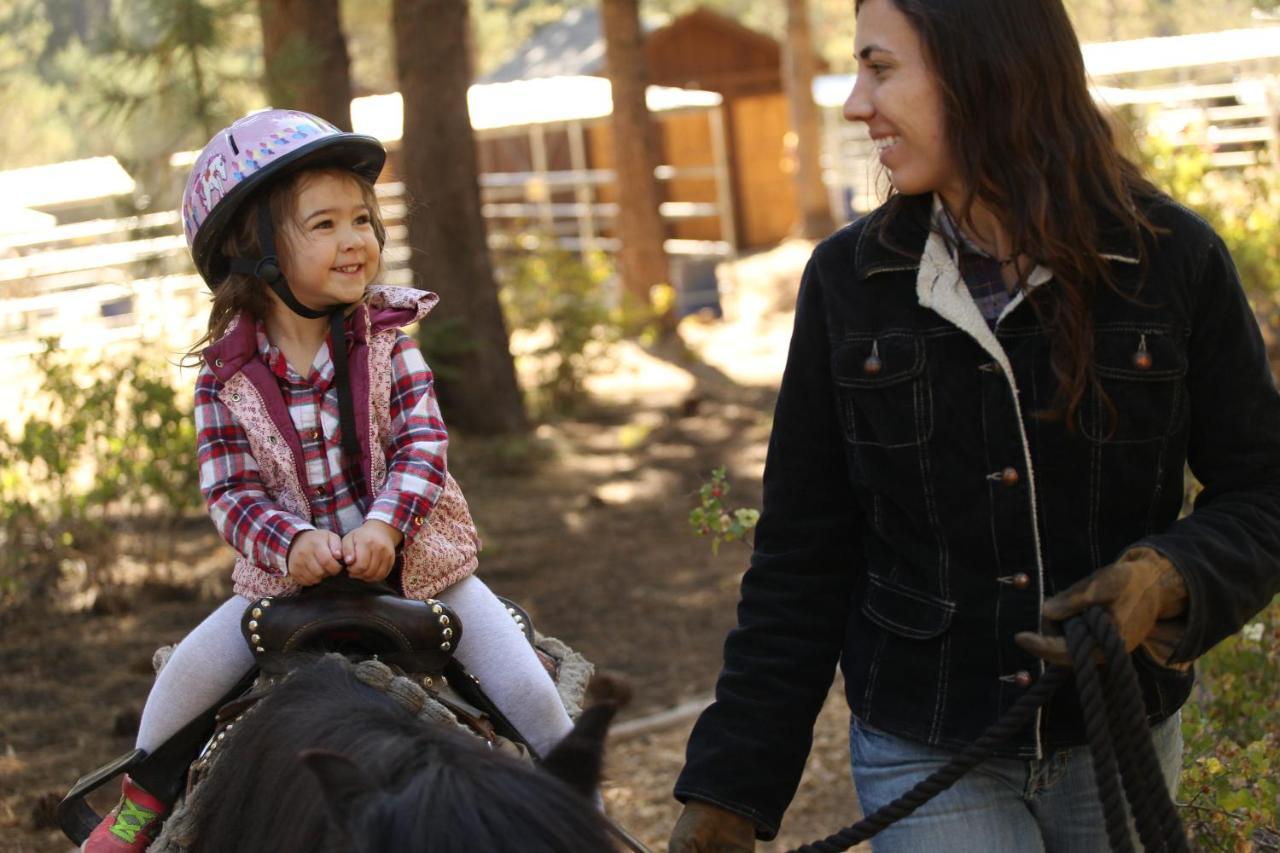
column 1119, row 741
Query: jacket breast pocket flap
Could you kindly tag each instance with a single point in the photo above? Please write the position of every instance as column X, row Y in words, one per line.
column 878, row 362
column 1140, row 370
column 1136, row 354
column 906, row 612
column 880, row 390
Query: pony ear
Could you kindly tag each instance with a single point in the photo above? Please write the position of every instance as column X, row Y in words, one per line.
column 342, row 782
column 579, row 758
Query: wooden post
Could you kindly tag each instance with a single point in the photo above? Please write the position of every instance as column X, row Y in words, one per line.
column 642, row 260
column 813, row 207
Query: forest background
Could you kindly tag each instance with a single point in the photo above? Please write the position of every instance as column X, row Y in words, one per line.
column 142, row 79
column 80, row 78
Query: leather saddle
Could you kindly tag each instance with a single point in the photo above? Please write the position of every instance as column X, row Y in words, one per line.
column 355, row 618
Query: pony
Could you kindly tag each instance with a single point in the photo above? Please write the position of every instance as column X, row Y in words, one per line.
column 324, row 763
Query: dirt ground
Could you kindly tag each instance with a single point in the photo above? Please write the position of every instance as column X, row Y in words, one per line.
column 585, row 524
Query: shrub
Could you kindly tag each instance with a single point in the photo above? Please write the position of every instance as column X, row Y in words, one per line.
column 559, row 299
column 1230, row 793
column 109, row 441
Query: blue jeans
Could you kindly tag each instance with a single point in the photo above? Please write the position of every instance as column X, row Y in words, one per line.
column 1004, row 805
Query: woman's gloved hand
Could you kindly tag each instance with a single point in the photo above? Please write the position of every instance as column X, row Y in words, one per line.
column 704, row 828
column 1142, row 590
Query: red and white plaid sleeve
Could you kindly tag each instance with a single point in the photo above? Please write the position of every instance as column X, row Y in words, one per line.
column 416, row 455
column 238, row 503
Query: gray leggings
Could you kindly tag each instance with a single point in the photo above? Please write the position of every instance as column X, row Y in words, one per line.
column 214, row 656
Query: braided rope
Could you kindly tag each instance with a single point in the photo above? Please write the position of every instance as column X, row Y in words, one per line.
column 1119, row 740
column 1093, row 703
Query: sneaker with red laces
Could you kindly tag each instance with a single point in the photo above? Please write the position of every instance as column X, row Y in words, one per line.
column 131, row 826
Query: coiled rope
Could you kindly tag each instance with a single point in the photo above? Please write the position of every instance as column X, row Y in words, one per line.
column 1119, row 742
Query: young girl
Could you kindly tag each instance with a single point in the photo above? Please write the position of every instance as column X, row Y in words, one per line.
column 317, row 451
column 994, row 384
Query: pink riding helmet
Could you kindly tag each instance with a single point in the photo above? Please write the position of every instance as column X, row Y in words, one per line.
column 248, row 155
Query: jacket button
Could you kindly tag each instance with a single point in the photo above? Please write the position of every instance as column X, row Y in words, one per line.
column 872, row 365
column 418, row 520
column 1022, row 678
column 235, row 398
column 1021, row 580
column 1009, row 476
column 217, row 362
column 319, row 491
column 315, row 434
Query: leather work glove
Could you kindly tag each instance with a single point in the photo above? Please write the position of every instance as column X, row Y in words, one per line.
column 704, row 828
column 1144, row 594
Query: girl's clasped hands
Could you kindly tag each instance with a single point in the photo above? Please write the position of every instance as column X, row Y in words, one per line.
column 367, row 553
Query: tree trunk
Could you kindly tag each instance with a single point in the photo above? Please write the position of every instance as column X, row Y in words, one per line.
column 447, row 241
column 642, row 261
column 813, row 207
column 304, row 52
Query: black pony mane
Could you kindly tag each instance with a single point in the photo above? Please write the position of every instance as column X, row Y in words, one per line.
column 390, row 782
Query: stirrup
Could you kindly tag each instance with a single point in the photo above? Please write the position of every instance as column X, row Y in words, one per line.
column 163, row 773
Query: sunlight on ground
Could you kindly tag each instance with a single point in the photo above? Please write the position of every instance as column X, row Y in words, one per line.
column 757, row 294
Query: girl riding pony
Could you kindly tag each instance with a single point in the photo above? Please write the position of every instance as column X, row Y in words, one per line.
column 320, row 443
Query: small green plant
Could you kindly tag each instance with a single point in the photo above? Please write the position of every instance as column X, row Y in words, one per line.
column 712, row 517
column 559, row 298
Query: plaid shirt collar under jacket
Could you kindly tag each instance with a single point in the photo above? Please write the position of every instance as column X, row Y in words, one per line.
column 980, row 271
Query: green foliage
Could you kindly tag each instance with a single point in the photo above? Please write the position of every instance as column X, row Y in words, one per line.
column 1230, row 793
column 559, row 299
column 109, row 441
column 712, row 517
column 1243, row 207
column 138, row 79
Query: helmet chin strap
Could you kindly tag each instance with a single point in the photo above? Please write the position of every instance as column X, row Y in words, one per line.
column 267, row 268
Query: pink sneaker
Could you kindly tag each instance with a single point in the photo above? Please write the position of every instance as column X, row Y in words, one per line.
column 131, row 826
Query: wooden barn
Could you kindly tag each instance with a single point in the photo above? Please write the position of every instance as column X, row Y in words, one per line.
column 701, row 50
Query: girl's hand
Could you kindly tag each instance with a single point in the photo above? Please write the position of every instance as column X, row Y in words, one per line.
column 370, row 550
column 313, row 556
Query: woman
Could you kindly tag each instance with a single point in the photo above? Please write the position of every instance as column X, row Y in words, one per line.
column 994, row 383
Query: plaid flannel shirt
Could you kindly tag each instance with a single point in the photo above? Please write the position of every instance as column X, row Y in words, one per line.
column 247, row 516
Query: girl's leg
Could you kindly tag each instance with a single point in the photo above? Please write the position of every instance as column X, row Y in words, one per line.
column 495, row 650
column 205, row 665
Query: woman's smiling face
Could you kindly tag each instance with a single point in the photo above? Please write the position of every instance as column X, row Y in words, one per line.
column 898, row 97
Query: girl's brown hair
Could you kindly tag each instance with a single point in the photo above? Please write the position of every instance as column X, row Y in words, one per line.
column 1032, row 147
column 241, row 292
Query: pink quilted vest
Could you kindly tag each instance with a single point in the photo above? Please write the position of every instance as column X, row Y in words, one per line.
column 444, row 550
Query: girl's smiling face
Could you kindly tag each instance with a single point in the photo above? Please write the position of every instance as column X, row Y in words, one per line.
column 898, row 96
column 331, row 252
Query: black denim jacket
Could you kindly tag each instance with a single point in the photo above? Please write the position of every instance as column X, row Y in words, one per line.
column 917, row 512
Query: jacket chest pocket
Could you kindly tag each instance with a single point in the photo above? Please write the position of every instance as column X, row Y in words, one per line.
column 1140, row 371
column 882, row 393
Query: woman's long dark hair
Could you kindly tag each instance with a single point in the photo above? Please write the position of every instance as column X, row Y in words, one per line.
column 1031, row 146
